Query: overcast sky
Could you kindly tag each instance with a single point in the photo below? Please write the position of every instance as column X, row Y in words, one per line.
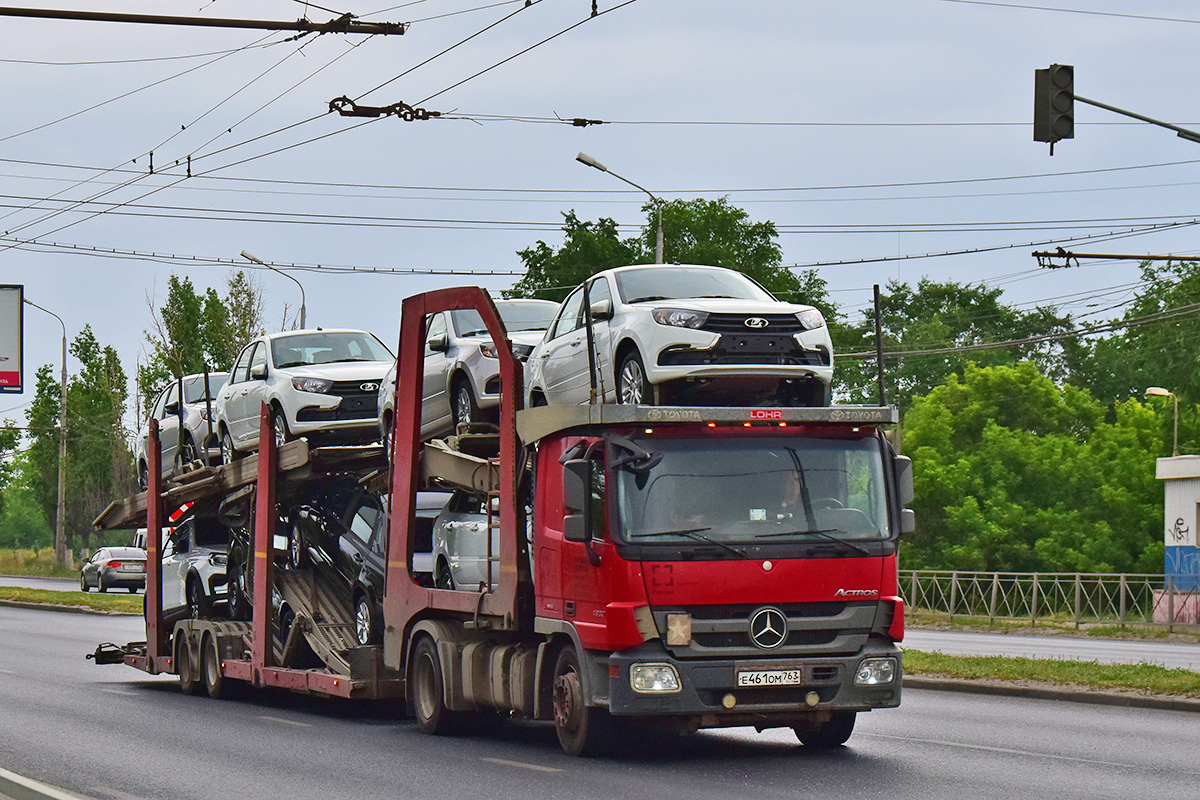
column 865, row 129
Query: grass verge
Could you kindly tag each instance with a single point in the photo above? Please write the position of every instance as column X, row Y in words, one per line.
column 39, row 562
column 131, row 603
column 1143, row 677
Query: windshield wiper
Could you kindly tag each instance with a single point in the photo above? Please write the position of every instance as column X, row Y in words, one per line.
column 648, row 298
column 693, row 533
column 824, row 534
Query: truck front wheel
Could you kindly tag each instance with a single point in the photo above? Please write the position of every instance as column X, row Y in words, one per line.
column 831, row 734
column 428, row 695
column 582, row 729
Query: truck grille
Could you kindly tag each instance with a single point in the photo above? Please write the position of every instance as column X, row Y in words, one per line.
column 813, row 629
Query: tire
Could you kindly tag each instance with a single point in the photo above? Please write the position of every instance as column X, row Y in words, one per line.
column 101, row 585
column 196, row 600
column 279, row 425
column 832, row 734
column 287, row 619
column 83, row 587
column 632, row 386
column 581, row 729
column 132, row 589
column 210, row 669
column 238, row 602
column 537, row 400
column 143, row 476
column 366, row 621
column 464, row 408
column 228, row 453
column 385, row 437
column 297, row 553
column 188, row 680
column 428, row 695
column 442, row 579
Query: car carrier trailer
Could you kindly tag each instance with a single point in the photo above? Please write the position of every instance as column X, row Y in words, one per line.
column 659, row 568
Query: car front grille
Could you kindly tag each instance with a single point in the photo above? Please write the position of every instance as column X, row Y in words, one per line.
column 736, row 323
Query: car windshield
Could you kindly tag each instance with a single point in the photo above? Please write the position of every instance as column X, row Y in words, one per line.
column 193, row 387
column 755, row 490
column 530, row 315
column 304, row 349
column 210, row 533
column 675, row 283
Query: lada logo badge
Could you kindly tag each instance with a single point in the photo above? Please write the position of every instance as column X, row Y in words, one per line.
column 768, row 628
column 369, row 387
column 756, row 322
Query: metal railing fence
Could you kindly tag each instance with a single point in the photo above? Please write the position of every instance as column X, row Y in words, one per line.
column 1059, row 597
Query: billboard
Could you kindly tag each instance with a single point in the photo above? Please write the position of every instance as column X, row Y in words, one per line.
column 11, row 318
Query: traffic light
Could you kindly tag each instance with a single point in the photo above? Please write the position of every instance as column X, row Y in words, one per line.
column 1054, row 103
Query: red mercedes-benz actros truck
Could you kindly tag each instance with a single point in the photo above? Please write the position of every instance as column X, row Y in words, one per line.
column 660, row 568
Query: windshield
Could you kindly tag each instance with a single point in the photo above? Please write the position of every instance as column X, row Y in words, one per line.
column 671, row 283
column 755, row 490
column 327, row 348
column 193, row 388
column 528, row 315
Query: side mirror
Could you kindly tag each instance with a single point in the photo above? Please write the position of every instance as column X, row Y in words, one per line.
column 602, row 310
column 575, row 497
column 258, row 372
column 439, row 343
column 171, row 409
column 904, row 479
column 908, row 521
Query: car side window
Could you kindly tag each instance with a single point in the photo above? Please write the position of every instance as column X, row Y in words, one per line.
column 364, row 518
column 258, row 359
column 172, row 396
column 598, row 291
column 159, row 404
column 241, row 370
column 437, row 327
column 568, row 318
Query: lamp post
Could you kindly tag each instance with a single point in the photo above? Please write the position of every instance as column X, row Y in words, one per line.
column 251, row 257
column 1158, row 391
column 584, row 158
column 60, row 530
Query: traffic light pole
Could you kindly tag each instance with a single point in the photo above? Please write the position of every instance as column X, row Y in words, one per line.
column 1183, row 133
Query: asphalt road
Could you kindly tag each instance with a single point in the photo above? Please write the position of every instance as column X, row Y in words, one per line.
column 1107, row 651
column 112, row 732
column 53, row 584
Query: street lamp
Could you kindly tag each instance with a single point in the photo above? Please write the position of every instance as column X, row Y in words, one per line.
column 1158, row 391
column 251, row 257
column 584, row 158
column 60, row 530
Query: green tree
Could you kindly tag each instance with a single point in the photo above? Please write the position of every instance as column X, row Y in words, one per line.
column 22, row 521
column 9, row 438
column 1014, row 472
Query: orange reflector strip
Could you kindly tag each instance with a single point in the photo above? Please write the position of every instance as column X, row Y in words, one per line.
column 259, row 554
column 746, row 424
column 614, row 671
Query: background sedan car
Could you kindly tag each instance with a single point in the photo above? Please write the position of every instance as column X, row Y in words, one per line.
column 683, row 333
column 114, row 568
column 199, row 438
column 317, row 383
column 462, row 372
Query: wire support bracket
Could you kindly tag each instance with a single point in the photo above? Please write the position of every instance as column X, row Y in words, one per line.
column 348, row 108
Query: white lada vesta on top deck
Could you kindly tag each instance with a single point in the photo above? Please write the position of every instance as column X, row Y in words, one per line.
column 683, row 334
column 317, row 383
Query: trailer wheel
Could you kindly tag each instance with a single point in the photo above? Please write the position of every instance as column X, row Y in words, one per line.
column 210, row 668
column 831, row 734
column 581, row 729
column 428, row 696
column 188, row 683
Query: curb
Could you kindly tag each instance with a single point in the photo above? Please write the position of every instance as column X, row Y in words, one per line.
column 1051, row 692
column 66, row 609
column 19, row 787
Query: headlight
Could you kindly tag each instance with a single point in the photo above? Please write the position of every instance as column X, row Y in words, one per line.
column 875, row 672
column 522, row 351
column 219, row 559
column 318, row 385
column 488, row 350
column 679, row 317
column 811, row 319
column 653, row 678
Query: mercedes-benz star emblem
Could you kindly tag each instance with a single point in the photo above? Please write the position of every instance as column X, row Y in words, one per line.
column 756, row 322
column 768, row 628
column 369, row 387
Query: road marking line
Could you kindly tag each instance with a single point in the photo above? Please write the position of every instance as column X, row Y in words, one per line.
column 522, row 764
column 286, row 721
column 7, row 672
column 120, row 691
column 1010, row 751
column 107, row 790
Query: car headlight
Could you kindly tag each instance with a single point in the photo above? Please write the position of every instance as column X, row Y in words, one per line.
column 219, row 559
column 318, row 385
column 679, row 317
column 488, row 350
column 875, row 672
column 654, row 678
column 811, row 319
column 522, row 351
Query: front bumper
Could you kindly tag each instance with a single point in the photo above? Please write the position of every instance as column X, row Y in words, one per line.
column 707, row 685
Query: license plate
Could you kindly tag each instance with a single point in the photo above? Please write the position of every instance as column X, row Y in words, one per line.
column 131, row 568
column 771, row 677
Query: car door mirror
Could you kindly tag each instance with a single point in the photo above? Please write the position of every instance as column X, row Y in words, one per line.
column 171, row 409
column 602, row 310
column 258, row 372
column 438, row 343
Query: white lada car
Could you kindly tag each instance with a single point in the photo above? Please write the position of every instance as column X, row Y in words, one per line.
column 682, row 334
column 317, row 383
